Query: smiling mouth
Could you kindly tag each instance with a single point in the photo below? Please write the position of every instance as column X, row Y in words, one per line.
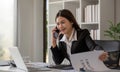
column 62, row 30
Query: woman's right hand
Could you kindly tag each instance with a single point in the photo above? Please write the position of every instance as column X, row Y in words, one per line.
column 53, row 38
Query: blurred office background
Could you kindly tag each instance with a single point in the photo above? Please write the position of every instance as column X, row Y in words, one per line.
column 24, row 24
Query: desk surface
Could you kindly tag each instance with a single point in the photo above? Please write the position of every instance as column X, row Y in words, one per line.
column 44, row 69
column 56, row 70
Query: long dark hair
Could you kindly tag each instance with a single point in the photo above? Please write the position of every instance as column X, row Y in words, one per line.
column 68, row 15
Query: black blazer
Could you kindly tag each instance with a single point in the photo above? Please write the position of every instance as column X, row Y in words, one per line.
column 84, row 43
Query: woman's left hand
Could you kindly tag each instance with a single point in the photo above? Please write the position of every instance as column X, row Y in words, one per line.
column 103, row 56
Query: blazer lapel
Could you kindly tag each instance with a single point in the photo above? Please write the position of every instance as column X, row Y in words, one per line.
column 81, row 34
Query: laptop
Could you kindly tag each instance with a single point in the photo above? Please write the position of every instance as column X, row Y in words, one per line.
column 20, row 65
column 16, row 56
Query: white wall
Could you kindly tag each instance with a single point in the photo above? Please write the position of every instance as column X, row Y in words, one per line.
column 30, row 28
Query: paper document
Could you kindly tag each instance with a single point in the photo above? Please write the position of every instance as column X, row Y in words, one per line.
column 89, row 61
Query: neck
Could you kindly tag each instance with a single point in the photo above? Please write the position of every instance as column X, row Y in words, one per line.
column 69, row 33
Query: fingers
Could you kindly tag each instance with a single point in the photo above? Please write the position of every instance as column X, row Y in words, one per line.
column 103, row 56
column 53, row 38
column 53, row 30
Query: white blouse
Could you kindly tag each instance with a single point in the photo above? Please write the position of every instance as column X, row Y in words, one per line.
column 73, row 37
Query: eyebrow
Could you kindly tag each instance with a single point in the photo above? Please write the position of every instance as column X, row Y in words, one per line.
column 63, row 20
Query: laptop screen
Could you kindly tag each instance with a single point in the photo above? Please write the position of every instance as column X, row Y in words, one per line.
column 16, row 56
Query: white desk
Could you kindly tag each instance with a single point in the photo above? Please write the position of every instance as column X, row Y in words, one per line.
column 56, row 70
column 44, row 69
column 8, row 69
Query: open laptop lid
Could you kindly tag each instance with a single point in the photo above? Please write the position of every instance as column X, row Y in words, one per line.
column 16, row 56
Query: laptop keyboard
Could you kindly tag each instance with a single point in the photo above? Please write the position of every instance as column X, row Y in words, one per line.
column 33, row 69
column 63, row 67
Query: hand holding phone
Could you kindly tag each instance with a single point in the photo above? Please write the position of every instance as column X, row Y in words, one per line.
column 56, row 33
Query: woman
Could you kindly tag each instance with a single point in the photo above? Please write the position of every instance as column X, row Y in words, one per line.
column 71, row 38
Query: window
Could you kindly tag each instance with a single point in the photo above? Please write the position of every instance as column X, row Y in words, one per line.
column 7, row 27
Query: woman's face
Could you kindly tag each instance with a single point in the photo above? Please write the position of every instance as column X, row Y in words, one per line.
column 64, row 25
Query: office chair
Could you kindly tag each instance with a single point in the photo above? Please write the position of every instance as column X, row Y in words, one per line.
column 113, row 49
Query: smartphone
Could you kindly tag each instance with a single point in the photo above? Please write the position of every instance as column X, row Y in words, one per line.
column 56, row 33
